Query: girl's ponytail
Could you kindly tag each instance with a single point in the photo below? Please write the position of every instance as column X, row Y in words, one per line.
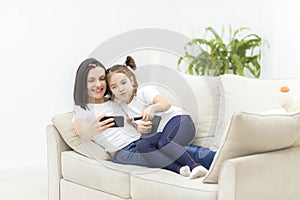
column 130, row 62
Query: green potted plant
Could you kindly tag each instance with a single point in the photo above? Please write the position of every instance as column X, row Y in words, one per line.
column 215, row 57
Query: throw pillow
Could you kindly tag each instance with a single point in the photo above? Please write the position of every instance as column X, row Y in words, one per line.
column 250, row 133
column 238, row 93
column 63, row 123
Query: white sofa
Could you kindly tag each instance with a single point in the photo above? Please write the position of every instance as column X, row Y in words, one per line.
column 270, row 172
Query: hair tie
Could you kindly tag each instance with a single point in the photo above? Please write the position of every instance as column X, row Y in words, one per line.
column 129, row 68
column 92, row 65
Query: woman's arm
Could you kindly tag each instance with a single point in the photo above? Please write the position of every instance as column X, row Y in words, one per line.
column 87, row 129
column 160, row 104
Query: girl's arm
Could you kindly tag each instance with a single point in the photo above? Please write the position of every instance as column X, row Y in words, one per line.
column 160, row 104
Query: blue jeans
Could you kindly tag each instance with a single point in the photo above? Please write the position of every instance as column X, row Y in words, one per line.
column 166, row 149
column 129, row 155
column 201, row 155
column 197, row 155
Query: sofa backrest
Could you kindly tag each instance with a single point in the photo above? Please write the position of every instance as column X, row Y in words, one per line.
column 211, row 101
column 198, row 95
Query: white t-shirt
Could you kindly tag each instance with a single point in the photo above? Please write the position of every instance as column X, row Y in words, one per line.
column 143, row 99
column 112, row 139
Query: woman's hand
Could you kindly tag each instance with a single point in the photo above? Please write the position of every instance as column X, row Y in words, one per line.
column 105, row 124
column 89, row 129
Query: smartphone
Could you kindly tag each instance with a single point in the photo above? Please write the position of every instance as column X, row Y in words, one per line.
column 119, row 120
column 155, row 123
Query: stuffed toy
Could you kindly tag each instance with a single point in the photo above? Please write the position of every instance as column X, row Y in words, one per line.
column 290, row 101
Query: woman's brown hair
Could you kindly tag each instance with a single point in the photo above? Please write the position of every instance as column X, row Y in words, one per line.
column 80, row 86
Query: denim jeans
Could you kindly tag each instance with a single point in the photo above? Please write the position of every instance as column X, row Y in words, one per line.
column 129, row 155
column 166, row 149
column 201, row 155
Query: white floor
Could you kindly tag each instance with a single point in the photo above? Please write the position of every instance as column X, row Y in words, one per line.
column 26, row 186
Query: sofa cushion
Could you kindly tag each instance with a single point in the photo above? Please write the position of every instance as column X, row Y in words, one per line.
column 205, row 112
column 239, row 93
column 101, row 175
column 198, row 95
column 162, row 184
column 200, row 98
column 63, row 123
column 73, row 191
column 250, row 133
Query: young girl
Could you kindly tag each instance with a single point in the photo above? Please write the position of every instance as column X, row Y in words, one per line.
column 176, row 128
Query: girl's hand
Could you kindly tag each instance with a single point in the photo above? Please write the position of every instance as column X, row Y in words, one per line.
column 148, row 113
column 142, row 127
column 159, row 105
column 130, row 121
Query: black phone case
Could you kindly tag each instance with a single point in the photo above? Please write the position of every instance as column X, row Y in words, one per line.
column 119, row 120
column 155, row 123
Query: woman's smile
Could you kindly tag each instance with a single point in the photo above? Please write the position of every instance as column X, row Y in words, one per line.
column 96, row 84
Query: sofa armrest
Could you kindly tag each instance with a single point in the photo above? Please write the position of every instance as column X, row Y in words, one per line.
column 273, row 175
column 55, row 145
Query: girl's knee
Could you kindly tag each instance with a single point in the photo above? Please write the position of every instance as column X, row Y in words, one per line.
column 163, row 142
column 143, row 146
column 140, row 145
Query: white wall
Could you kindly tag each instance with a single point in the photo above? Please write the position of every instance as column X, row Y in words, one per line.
column 281, row 28
column 43, row 42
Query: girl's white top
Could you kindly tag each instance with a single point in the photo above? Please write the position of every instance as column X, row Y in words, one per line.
column 143, row 99
column 112, row 139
